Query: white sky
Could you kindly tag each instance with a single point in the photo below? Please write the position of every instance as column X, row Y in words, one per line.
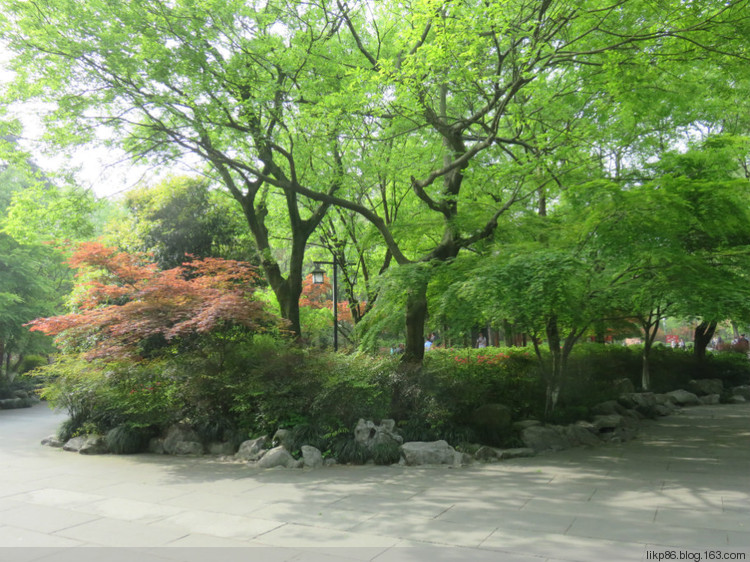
column 107, row 172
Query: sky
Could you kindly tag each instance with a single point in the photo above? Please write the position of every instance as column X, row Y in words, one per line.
column 107, row 172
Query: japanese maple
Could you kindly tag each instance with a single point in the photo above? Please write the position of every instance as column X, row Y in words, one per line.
column 127, row 300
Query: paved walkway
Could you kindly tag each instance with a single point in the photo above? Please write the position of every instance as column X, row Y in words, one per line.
column 680, row 491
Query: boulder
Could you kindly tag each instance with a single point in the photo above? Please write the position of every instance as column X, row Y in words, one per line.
column 278, row 456
column 369, row 434
column 683, row 398
column 642, row 402
column 705, row 387
column 180, row 433
column 493, row 419
column 545, row 438
column 87, row 445
column 737, row 399
column 187, row 448
column 743, row 391
column 52, row 441
column 423, row 452
column 608, row 408
column 13, row 403
column 156, row 446
column 710, row 399
column 311, row 457
column 582, row 433
column 487, row 454
column 517, row 453
column 623, row 386
column 521, row 425
column 252, row 449
column 284, row 438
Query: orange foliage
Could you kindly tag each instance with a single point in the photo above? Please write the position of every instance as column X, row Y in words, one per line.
column 129, row 300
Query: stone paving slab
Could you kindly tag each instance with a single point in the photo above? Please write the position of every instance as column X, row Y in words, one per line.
column 682, row 486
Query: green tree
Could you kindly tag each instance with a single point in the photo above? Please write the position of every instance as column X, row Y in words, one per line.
column 183, row 216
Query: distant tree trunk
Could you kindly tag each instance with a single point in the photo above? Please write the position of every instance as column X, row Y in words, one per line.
column 416, row 315
column 704, row 332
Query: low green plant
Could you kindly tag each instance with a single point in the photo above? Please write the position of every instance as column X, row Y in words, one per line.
column 126, row 440
column 386, row 453
column 347, row 450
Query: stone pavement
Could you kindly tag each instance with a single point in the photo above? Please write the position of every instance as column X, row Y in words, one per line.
column 681, row 491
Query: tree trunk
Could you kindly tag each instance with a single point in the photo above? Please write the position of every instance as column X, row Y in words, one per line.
column 416, row 314
column 704, row 332
column 555, row 371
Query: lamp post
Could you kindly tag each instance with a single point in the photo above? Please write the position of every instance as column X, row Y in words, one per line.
column 318, row 276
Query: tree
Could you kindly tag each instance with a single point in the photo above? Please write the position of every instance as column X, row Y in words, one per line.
column 129, row 308
column 183, row 216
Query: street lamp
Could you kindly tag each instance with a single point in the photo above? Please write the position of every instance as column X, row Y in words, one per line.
column 318, row 276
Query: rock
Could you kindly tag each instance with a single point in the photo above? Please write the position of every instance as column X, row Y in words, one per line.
column 611, row 407
column 14, row 403
column 187, row 448
column 710, row 399
column 219, row 448
column 493, row 419
column 624, row 386
column 521, row 425
column 604, row 424
column 487, row 454
column 179, row 433
column 370, row 435
column 87, row 445
column 545, row 438
column 663, row 410
column 278, row 456
column 582, row 433
column 52, row 441
column 684, row 398
column 284, row 438
column 737, row 399
column 703, row 387
column 312, row 457
column 743, row 391
column 423, row 452
column 517, row 453
column 156, row 446
column 642, row 402
column 252, row 449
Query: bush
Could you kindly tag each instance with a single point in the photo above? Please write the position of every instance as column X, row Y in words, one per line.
column 126, row 440
column 346, row 450
column 386, row 453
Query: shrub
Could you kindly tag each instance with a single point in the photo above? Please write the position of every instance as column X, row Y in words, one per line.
column 126, row 440
column 346, row 450
column 386, row 453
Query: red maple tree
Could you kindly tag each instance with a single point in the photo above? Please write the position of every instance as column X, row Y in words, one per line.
column 127, row 301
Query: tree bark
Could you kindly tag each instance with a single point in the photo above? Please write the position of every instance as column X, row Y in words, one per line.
column 704, row 332
column 416, row 314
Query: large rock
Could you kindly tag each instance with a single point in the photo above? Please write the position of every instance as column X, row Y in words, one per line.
column 53, row 441
column 517, row 453
column 743, row 391
column 582, row 433
column 181, row 433
column 284, row 438
column 611, row 407
column 14, row 403
column 705, row 387
column 312, row 457
column 545, row 438
column 188, row 448
column 278, row 456
column 432, row 452
column 493, row 419
column 369, row 434
column 642, row 402
column 252, row 449
column 710, row 399
column 684, row 398
column 87, row 445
